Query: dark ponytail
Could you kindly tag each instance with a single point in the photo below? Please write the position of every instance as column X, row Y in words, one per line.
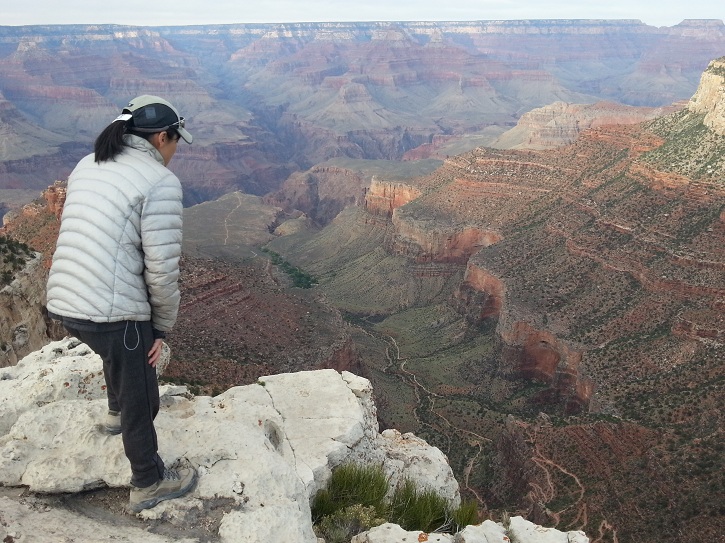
column 109, row 143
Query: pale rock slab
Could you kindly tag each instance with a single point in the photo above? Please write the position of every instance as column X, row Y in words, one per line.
column 392, row 533
column 527, row 532
column 519, row 530
column 262, row 450
column 710, row 96
column 409, row 457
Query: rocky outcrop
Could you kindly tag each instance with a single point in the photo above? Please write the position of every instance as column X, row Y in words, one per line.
column 710, row 96
column 54, row 197
column 285, row 442
column 429, row 241
column 538, row 355
column 560, row 123
column 383, row 197
column 22, row 326
column 321, row 192
column 480, row 295
column 517, row 529
column 422, row 239
column 530, row 353
column 261, row 452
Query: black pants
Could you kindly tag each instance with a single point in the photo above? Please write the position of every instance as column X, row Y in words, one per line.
column 132, row 389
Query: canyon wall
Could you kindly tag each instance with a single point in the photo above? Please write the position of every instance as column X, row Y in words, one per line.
column 23, row 328
column 321, row 192
column 710, row 97
column 295, row 95
column 527, row 352
column 383, row 197
column 480, row 295
column 560, row 123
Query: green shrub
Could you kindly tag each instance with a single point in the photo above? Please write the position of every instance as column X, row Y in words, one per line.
column 466, row 514
column 299, row 277
column 352, row 484
column 355, row 501
column 343, row 524
column 418, row 510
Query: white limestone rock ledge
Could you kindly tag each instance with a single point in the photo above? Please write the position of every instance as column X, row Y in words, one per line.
column 519, row 530
column 268, row 447
column 262, row 451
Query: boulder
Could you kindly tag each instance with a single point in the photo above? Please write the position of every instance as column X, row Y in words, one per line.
column 263, row 450
column 392, row 533
column 519, row 530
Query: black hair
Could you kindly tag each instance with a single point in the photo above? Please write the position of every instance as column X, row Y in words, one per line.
column 173, row 133
column 109, row 143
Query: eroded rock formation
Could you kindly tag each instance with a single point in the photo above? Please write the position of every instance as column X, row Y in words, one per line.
column 383, row 197
column 22, row 326
column 480, row 295
column 261, row 452
column 315, row 91
column 560, row 123
column 710, row 97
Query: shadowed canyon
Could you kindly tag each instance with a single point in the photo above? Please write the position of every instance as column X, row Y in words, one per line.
column 269, row 100
column 513, row 229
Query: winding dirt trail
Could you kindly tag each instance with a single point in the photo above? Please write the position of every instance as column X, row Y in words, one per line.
column 545, row 495
column 226, row 219
column 425, row 399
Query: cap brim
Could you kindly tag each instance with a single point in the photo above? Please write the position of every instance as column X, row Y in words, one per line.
column 188, row 138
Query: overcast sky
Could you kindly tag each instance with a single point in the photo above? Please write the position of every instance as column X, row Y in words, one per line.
column 194, row 12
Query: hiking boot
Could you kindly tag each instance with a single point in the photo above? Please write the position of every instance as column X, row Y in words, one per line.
column 112, row 424
column 175, row 483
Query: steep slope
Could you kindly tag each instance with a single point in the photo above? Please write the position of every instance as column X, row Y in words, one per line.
column 24, row 327
column 327, row 188
column 586, row 282
column 560, row 123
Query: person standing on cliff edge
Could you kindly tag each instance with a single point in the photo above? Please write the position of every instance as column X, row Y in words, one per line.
column 113, row 281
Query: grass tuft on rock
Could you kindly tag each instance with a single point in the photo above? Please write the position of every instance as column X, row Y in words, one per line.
column 355, row 501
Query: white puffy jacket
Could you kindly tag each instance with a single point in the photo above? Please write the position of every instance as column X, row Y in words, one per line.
column 117, row 256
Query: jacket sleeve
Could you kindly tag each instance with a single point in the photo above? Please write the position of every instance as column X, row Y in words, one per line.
column 161, row 222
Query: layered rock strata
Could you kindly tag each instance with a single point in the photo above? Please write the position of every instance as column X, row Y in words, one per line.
column 560, row 123
column 22, row 326
column 710, row 97
column 295, row 95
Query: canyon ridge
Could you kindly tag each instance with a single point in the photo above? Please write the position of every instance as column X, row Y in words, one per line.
column 550, row 316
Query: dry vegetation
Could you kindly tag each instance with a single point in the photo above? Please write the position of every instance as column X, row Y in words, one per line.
column 610, row 245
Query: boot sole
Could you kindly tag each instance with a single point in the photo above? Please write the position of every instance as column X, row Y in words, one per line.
column 153, row 502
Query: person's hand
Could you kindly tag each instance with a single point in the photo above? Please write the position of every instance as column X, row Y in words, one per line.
column 155, row 352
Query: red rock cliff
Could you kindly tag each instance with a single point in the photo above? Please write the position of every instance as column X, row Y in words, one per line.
column 384, row 196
